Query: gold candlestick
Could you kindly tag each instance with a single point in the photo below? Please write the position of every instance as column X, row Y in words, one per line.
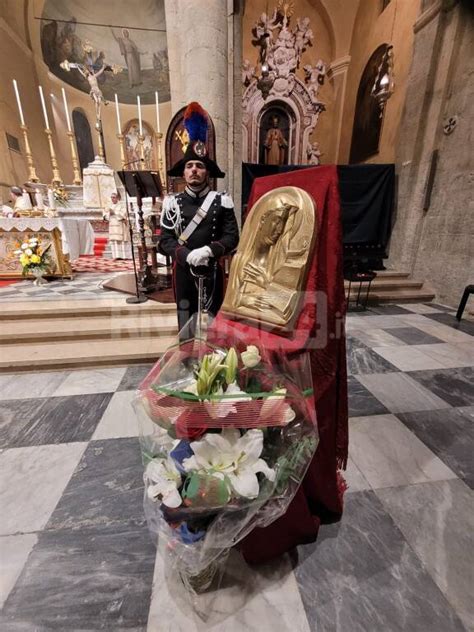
column 141, row 140
column 123, row 160
column 159, row 156
column 98, row 128
column 54, row 163
column 75, row 161
column 32, row 177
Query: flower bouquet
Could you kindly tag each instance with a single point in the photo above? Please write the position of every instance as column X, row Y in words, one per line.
column 34, row 259
column 226, row 438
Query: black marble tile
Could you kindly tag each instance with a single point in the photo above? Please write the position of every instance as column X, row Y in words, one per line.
column 447, row 319
column 361, row 400
column 362, row 359
column 105, row 489
column 15, row 416
column 86, row 580
column 54, row 420
column 413, row 336
column 362, row 576
column 455, row 386
column 442, row 308
column 389, row 310
column 133, row 376
column 449, row 433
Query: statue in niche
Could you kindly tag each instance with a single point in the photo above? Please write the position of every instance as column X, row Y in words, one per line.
column 275, row 144
column 269, row 268
column 303, row 37
column 313, row 153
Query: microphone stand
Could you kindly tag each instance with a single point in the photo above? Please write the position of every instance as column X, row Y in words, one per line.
column 140, row 297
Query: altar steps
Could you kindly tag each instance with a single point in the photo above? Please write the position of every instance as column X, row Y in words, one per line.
column 390, row 286
column 83, row 333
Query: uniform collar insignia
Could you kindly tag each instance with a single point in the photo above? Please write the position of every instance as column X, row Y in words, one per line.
column 199, row 194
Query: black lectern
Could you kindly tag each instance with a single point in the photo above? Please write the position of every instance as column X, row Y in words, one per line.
column 141, row 184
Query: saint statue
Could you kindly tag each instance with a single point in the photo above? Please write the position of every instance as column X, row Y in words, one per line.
column 269, row 268
column 275, row 144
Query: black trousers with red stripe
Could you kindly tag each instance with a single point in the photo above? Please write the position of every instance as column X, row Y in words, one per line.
column 186, row 284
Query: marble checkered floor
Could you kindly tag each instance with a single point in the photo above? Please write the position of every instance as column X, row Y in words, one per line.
column 75, row 550
column 84, row 285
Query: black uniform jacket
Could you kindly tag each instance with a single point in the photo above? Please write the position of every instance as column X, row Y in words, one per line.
column 218, row 230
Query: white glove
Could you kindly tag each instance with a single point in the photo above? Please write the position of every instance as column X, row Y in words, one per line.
column 199, row 256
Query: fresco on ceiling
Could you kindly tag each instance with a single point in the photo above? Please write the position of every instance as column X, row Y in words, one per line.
column 120, row 35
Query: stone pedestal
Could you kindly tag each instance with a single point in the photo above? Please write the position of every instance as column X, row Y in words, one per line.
column 98, row 186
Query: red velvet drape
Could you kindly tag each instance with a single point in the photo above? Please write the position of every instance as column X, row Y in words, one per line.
column 320, row 329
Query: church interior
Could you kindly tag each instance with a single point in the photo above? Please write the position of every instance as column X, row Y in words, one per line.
column 366, row 106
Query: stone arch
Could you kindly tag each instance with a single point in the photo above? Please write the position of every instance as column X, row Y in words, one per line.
column 82, row 132
column 368, row 118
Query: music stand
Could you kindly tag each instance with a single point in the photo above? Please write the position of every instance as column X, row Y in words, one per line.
column 140, row 184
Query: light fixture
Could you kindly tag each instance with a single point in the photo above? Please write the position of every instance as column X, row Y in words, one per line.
column 384, row 84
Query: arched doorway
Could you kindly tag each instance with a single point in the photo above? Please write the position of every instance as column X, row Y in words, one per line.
column 82, row 132
column 367, row 118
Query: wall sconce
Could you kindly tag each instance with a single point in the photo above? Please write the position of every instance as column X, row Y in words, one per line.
column 384, row 84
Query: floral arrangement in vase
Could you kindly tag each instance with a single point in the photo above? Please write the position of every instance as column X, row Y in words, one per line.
column 34, row 259
column 230, row 438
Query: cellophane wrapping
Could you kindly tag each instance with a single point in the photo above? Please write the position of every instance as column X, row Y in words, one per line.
column 226, row 437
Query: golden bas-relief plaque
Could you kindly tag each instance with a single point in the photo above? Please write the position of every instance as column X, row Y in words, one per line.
column 268, row 272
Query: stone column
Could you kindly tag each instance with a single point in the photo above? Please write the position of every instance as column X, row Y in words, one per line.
column 197, row 34
column 337, row 74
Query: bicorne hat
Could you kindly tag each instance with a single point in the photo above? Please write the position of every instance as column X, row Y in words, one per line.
column 195, row 122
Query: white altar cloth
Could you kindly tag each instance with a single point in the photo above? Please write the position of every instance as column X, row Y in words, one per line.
column 77, row 235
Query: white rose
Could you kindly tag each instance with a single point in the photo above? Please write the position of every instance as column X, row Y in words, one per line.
column 250, row 357
column 28, row 252
column 24, row 246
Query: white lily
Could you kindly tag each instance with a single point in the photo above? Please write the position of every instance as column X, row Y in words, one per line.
column 233, row 457
column 218, row 409
column 272, row 404
column 166, row 479
column 250, row 357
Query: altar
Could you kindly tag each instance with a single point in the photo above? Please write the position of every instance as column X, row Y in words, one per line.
column 69, row 238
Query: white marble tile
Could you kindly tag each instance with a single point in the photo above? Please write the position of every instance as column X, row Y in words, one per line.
column 376, row 338
column 93, row 381
column 356, row 482
column 437, row 519
column 419, row 308
column 409, row 357
column 251, row 599
column 376, row 321
column 400, row 393
column 32, row 481
column 119, row 418
column 29, row 385
column 388, row 454
column 14, row 551
column 450, row 355
column 444, row 332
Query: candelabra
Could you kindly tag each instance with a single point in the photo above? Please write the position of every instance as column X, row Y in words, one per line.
column 141, row 146
column 32, row 177
column 54, row 163
column 75, row 162
column 159, row 156
column 123, row 160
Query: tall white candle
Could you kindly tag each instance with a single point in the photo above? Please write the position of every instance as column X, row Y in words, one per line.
column 119, row 125
column 39, row 200
column 140, row 124
column 43, row 104
column 68, row 120
column 157, row 104
column 17, row 94
column 51, row 200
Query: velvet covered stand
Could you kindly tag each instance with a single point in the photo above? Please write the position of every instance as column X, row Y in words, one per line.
column 319, row 328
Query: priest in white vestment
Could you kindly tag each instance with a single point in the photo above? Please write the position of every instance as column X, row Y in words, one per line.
column 119, row 233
